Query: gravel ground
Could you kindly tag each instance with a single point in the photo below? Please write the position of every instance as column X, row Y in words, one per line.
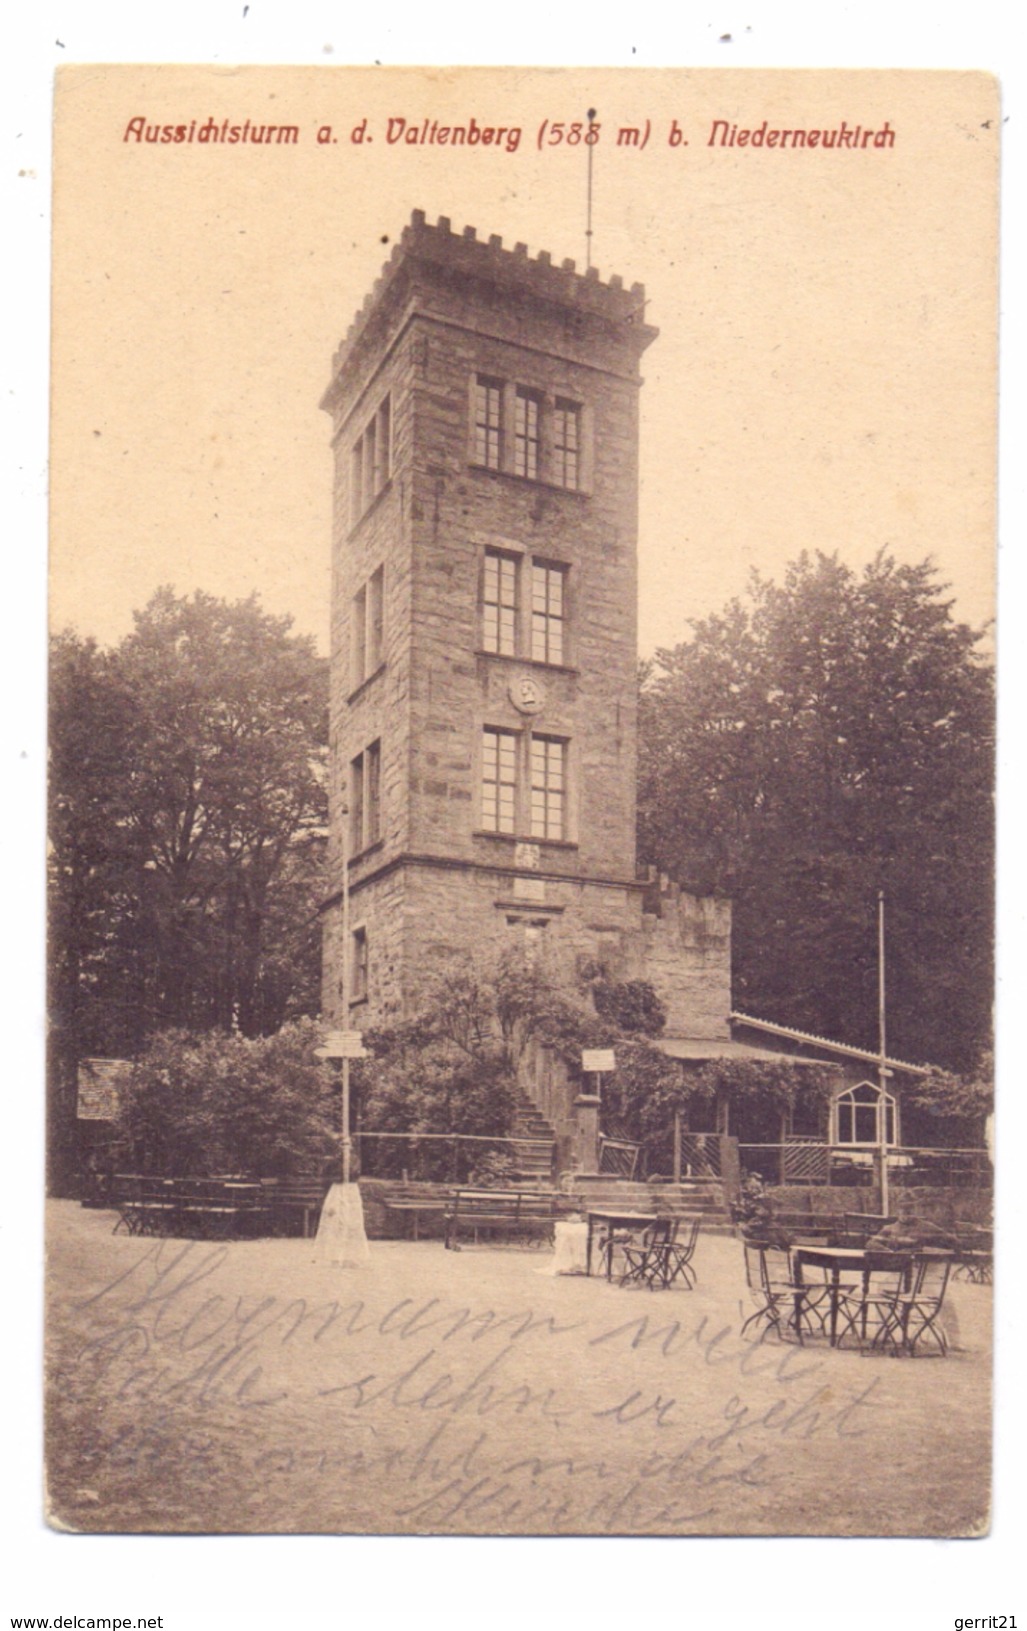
column 197, row 1387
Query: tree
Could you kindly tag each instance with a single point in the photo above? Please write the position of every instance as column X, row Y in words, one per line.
column 91, row 877
column 187, row 819
column 824, row 739
column 227, row 796
column 953, row 1109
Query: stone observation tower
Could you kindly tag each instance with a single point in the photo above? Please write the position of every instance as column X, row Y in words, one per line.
column 483, row 705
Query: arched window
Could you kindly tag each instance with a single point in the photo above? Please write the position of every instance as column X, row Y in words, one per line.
column 862, row 1113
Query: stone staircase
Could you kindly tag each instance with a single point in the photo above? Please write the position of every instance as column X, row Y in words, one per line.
column 702, row 1197
column 535, row 1161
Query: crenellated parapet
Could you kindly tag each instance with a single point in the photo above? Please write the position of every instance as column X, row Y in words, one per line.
column 509, row 275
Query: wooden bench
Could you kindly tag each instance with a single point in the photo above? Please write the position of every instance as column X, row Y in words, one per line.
column 410, row 1204
column 294, row 1200
column 528, row 1212
column 803, row 1224
column 189, row 1207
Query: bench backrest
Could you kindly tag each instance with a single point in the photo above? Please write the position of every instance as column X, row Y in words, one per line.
column 512, row 1203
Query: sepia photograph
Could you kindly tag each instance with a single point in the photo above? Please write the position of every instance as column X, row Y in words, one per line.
column 520, row 826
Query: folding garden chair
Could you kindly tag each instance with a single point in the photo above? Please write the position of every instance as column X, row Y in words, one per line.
column 660, row 1258
column 677, row 1257
column 645, row 1259
column 975, row 1257
column 914, row 1313
column 784, row 1302
column 866, row 1313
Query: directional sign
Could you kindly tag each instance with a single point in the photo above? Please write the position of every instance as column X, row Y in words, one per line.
column 342, row 1045
column 598, row 1059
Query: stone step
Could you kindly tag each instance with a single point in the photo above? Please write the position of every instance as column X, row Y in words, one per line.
column 702, row 1197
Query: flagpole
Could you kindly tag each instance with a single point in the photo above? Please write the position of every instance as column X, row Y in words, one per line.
column 882, row 1067
column 346, row 954
column 588, row 209
column 341, row 1236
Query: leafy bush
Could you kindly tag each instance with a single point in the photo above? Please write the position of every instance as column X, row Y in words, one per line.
column 534, row 1003
column 196, row 1105
column 631, row 1005
column 493, row 1170
column 447, row 1071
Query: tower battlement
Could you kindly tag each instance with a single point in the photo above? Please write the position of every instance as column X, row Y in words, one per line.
column 511, row 271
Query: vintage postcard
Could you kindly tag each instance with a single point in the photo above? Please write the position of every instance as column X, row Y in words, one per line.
column 521, row 851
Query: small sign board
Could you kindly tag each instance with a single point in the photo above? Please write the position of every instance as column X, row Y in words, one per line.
column 98, row 1083
column 598, row 1059
column 342, row 1045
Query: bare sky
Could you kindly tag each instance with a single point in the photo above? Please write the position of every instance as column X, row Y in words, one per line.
column 824, row 376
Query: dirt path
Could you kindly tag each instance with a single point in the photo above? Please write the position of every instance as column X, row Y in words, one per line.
column 198, row 1387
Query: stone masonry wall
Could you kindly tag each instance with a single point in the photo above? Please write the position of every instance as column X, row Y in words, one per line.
column 687, row 955
column 457, row 512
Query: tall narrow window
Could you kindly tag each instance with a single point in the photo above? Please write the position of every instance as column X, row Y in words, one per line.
column 567, row 444
column 358, row 966
column 356, row 484
column 548, row 787
column 358, row 638
column 365, row 818
column 370, row 446
column 372, row 794
column 371, row 462
column 367, row 628
column 548, row 612
column 375, row 619
column 526, row 434
column 488, row 422
column 499, row 781
column 356, row 804
column 499, row 603
column 383, row 446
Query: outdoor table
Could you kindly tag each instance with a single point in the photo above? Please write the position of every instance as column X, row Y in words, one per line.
column 635, row 1221
column 852, row 1258
column 835, row 1258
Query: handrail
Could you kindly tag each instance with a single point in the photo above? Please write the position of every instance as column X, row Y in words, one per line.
column 471, row 1138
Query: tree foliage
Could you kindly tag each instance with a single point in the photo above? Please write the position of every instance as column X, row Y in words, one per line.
column 186, row 824
column 821, row 740
column 631, row 1005
column 450, row 1070
column 202, row 1104
column 954, row 1109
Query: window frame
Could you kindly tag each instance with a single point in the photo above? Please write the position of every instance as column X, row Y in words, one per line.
column 365, row 798
column 501, row 734
column 492, row 639
column 487, row 434
column 566, row 412
column 359, row 954
column 846, row 1110
column 530, row 432
column 527, row 436
column 521, row 781
column 371, row 461
column 510, row 623
column 553, row 622
column 367, row 628
column 545, row 788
